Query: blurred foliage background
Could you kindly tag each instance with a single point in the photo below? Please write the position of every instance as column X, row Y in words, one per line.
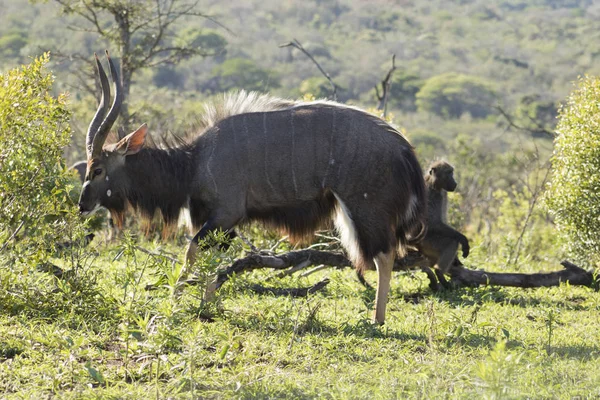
column 477, row 83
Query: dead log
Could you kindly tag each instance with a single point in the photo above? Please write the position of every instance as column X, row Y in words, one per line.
column 571, row 273
column 281, row 261
column 460, row 276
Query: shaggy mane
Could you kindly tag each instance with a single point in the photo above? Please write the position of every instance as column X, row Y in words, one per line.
column 240, row 102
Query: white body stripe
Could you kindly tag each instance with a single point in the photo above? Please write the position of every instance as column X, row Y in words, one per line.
column 411, row 210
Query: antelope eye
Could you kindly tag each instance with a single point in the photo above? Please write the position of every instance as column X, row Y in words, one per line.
column 97, row 171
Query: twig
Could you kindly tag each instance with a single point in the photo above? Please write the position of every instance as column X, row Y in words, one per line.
column 386, row 84
column 312, row 271
column 295, row 43
column 253, row 248
column 535, row 197
column 13, row 235
column 328, row 237
column 152, row 253
column 276, row 245
column 294, row 269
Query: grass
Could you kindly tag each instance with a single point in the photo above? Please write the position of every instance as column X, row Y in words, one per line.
column 96, row 332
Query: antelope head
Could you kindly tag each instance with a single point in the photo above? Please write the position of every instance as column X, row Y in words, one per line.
column 105, row 179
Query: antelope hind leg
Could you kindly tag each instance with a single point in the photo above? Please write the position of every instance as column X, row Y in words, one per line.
column 384, row 262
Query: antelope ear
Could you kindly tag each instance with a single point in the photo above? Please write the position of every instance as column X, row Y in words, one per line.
column 133, row 142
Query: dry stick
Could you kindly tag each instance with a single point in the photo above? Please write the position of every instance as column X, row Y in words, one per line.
column 13, row 235
column 328, row 237
column 312, row 271
column 143, row 250
column 536, row 195
column 295, row 43
column 276, row 245
column 385, row 88
column 294, row 269
column 248, row 242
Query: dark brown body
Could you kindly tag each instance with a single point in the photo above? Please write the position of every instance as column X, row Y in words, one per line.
column 290, row 173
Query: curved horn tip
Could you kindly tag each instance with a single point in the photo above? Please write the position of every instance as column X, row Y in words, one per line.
column 98, row 63
column 107, row 55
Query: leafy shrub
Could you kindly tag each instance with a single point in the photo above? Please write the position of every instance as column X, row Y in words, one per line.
column 36, row 205
column 451, row 95
column 573, row 196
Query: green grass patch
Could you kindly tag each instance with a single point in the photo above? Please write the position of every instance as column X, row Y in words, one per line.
column 97, row 332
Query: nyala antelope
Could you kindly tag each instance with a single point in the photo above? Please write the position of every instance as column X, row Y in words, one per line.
column 291, row 165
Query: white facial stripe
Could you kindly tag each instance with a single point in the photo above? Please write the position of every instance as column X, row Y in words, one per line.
column 106, row 179
column 108, row 192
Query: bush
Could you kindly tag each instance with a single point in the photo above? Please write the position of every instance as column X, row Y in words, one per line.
column 36, row 205
column 451, row 95
column 573, row 196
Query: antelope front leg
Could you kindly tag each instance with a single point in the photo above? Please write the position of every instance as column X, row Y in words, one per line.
column 385, row 264
column 194, row 246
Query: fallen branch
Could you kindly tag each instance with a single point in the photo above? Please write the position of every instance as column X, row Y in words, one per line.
column 281, row 261
column 460, row 276
column 571, row 273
